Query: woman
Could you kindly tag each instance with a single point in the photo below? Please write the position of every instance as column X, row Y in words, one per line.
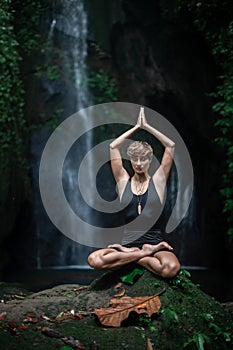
column 147, row 249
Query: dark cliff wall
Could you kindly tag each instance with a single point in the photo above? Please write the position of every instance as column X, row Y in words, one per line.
column 169, row 68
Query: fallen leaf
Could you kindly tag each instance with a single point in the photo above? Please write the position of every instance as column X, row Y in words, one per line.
column 16, row 296
column 68, row 315
column 78, row 316
column 120, row 309
column 23, row 326
column 118, row 285
column 51, row 332
column 3, row 316
column 30, row 320
column 12, row 326
column 149, row 344
column 75, row 344
column 46, row 318
column 120, row 293
column 29, row 314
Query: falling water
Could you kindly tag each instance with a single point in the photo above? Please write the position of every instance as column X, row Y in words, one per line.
column 68, row 35
column 51, row 29
column 71, row 21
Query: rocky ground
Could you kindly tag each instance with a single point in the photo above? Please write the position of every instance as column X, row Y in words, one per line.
column 65, row 317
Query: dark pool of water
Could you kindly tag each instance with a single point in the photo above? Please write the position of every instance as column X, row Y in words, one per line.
column 215, row 283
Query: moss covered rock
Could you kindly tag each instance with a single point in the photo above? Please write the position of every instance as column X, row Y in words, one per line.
column 188, row 318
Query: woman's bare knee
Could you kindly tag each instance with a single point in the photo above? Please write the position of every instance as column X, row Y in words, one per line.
column 170, row 269
column 95, row 261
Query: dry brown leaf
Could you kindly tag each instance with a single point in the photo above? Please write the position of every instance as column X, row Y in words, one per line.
column 118, row 285
column 73, row 343
column 149, row 344
column 120, row 293
column 30, row 315
column 3, row 316
column 12, row 327
column 23, row 327
column 46, row 318
column 51, row 332
column 68, row 315
column 120, row 309
column 80, row 289
column 30, row 320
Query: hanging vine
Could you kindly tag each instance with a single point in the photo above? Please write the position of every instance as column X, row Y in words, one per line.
column 12, row 122
column 18, row 36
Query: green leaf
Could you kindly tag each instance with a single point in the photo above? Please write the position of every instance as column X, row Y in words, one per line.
column 129, row 278
column 172, row 315
column 200, row 341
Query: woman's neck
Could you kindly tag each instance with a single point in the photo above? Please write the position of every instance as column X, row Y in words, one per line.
column 141, row 178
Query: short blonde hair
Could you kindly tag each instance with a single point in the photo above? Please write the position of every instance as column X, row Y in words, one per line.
column 140, row 149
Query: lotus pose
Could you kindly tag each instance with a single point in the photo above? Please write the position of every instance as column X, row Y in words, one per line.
column 142, row 197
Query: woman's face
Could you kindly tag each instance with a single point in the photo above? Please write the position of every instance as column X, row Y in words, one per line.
column 140, row 164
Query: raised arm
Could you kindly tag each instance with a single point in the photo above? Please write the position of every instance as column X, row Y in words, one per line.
column 169, row 145
column 162, row 173
column 119, row 172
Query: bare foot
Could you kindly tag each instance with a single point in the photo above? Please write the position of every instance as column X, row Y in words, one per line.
column 155, row 248
column 121, row 248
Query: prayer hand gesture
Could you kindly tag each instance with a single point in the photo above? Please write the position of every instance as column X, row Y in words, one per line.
column 141, row 122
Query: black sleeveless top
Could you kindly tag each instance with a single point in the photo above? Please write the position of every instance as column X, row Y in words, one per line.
column 136, row 225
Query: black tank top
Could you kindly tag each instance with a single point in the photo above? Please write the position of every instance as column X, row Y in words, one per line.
column 150, row 203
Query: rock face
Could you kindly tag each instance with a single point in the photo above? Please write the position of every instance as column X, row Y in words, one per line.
column 159, row 64
column 187, row 316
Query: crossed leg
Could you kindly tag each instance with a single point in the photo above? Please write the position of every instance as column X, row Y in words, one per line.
column 152, row 257
column 162, row 263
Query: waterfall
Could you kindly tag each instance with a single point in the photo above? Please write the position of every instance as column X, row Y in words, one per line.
column 67, row 36
column 71, row 21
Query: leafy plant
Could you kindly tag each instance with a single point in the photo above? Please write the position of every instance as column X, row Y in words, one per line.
column 170, row 315
column 12, row 121
column 199, row 339
column 182, row 280
column 99, row 51
column 132, row 275
column 146, row 322
column 51, row 72
column 218, row 331
column 103, row 86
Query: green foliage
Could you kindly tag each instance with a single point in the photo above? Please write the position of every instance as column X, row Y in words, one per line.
column 18, row 36
column 146, row 322
column 199, row 339
column 99, row 51
column 103, row 86
column 26, row 24
column 218, row 331
column 51, row 72
column 12, row 122
column 170, row 315
column 182, row 280
column 132, row 275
